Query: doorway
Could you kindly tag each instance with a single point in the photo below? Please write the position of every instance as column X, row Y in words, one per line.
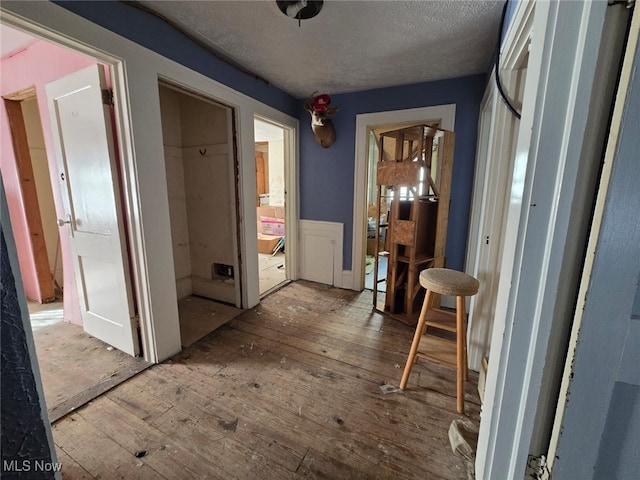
column 199, row 162
column 367, row 125
column 370, row 264
column 37, row 195
column 74, row 365
column 494, row 169
column 377, row 255
column 270, row 205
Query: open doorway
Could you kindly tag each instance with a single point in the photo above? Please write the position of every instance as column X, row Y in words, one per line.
column 270, row 205
column 377, row 254
column 37, row 194
column 497, row 140
column 75, row 365
column 199, row 160
column 368, row 129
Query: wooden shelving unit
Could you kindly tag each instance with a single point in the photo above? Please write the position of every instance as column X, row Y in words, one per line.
column 413, row 178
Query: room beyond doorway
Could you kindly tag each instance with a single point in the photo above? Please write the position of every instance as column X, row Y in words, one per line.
column 270, row 205
column 200, row 161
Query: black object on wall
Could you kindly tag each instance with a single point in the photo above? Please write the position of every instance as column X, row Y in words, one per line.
column 25, row 451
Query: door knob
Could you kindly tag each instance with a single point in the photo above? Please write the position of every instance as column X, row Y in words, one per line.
column 62, row 223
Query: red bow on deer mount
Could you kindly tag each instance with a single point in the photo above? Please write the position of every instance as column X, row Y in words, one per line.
column 321, row 124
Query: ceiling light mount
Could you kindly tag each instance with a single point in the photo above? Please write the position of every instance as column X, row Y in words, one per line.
column 300, row 9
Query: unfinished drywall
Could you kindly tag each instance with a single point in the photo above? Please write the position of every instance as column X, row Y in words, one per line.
column 197, row 161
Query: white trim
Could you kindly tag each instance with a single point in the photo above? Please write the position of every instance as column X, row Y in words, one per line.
column 476, row 240
column 494, row 399
column 539, row 246
column 445, row 113
column 292, row 200
column 145, row 184
column 312, row 265
column 485, row 133
column 492, row 182
column 347, row 279
column 516, row 39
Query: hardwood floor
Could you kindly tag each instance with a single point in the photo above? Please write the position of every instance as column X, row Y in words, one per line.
column 200, row 316
column 74, row 366
column 290, row 389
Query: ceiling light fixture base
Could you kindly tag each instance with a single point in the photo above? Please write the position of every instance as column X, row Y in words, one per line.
column 300, row 10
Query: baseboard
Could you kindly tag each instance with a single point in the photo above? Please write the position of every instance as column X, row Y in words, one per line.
column 347, row 280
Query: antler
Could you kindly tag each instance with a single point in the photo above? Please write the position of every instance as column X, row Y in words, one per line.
column 308, row 103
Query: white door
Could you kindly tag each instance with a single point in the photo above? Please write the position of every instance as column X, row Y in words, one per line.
column 498, row 130
column 85, row 150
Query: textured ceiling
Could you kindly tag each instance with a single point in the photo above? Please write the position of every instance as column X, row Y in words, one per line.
column 350, row 45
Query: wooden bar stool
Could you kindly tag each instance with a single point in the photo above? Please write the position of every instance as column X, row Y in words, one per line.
column 436, row 348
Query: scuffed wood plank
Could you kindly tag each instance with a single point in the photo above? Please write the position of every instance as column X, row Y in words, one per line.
column 291, row 389
column 319, row 465
column 161, row 453
column 220, row 409
column 229, row 447
column 97, row 453
column 135, row 398
column 71, row 470
column 61, row 409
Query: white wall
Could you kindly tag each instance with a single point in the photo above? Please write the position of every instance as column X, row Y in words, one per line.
column 197, row 163
column 144, row 178
column 276, row 172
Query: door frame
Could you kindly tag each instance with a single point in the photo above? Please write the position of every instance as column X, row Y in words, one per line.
column 602, row 372
column 540, row 256
column 124, row 147
column 291, row 197
column 446, row 114
column 495, row 159
column 135, row 74
column 24, row 165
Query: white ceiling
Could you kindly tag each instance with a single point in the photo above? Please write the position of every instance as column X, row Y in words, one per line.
column 350, row 45
column 267, row 132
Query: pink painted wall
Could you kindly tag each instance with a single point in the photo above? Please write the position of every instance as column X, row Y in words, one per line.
column 37, row 65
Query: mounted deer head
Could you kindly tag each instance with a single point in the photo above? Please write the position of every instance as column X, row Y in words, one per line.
column 321, row 124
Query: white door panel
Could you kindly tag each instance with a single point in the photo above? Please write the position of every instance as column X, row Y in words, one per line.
column 85, row 149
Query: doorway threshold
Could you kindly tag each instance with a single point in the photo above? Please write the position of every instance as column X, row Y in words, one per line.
column 274, row 289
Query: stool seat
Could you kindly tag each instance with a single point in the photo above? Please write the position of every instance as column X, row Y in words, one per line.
column 443, row 281
column 449, row 282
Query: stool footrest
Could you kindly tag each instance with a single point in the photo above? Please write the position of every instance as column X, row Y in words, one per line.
column 437, row 350
column 442, row 319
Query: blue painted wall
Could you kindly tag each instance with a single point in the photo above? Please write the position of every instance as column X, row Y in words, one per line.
column 327, row 175
column 605, row 367
column 508, row 16
column 157, row 35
